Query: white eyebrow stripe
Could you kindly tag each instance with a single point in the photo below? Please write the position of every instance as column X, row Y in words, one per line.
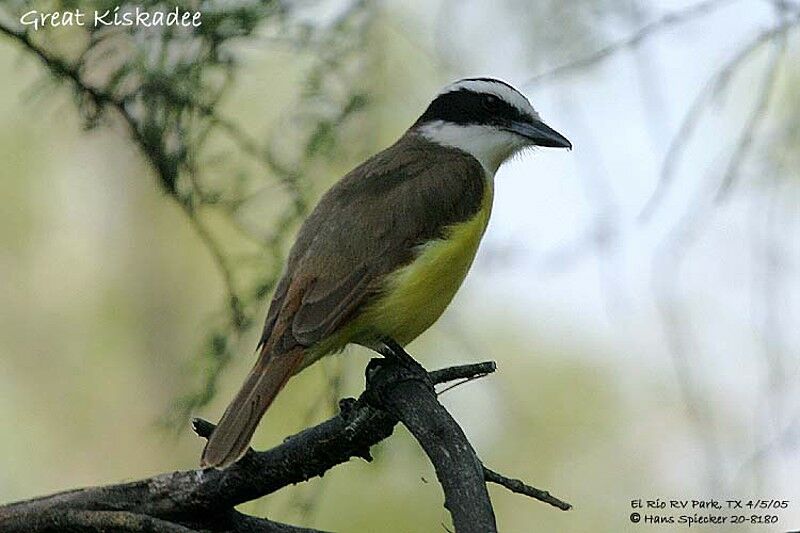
column 496, row 88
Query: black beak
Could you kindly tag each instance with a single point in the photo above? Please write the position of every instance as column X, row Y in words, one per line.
column 540, row 134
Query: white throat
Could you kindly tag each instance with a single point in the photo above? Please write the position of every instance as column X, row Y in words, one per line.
column 490, row 146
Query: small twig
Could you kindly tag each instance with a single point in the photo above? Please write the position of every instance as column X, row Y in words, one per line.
column 645, row 32
column 520, row 487
column 474, row 370
column 488, row 367
column 755, row 119
column 718, row 82
column 455, row 384
column 672, row 253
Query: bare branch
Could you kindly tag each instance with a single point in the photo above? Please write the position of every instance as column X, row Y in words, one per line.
column 645, row 32
column 471, row 371
column 718, row 83
column 672, row 253
column 204, row 499
column 80, row 521
column 407, row 394
column 520, row 487
column 756, row 118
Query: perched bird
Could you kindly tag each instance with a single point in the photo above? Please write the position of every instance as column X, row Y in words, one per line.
column 387, row 247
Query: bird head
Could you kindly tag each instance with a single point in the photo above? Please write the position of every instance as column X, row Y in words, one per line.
column 487, row 118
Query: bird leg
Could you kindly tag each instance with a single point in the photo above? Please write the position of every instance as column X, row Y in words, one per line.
column 392, row 351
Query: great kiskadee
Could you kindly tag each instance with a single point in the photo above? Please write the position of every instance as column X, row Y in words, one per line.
column 387, row 247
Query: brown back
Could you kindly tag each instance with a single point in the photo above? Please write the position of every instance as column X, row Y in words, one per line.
column 366, row 226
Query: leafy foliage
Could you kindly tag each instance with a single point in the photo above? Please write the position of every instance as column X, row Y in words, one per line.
column 168, row 84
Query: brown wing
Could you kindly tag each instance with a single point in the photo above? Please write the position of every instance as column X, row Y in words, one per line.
column 366, row 226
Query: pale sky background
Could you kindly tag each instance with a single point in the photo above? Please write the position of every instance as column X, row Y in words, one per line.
column 546, row 202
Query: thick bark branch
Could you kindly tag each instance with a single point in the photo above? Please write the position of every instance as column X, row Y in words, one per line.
column 407, row 394
column 53, row 521
column 195, row 500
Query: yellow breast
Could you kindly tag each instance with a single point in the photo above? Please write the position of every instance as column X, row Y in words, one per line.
column 416, row 295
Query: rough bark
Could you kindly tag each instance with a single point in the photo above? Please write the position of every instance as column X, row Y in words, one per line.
column 203, row 499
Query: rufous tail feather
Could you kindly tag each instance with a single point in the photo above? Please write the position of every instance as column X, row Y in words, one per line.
column 231, row 438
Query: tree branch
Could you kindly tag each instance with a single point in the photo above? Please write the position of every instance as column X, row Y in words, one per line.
column 407, row 394
column 647, row 31
column 204, row 499
column 81, row 520
column 520, row 487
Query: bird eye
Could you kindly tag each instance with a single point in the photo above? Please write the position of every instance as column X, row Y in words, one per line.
column 489, row 102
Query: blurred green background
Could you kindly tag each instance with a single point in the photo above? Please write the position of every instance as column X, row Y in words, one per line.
column 108, row 293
